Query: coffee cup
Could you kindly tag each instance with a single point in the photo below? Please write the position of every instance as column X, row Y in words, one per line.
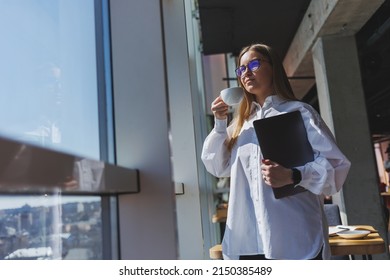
column 232, row 96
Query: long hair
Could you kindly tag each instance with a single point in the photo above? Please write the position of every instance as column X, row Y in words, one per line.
column 280, row 83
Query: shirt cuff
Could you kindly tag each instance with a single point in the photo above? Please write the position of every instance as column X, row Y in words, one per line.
column 220, row 125
column 302, row 182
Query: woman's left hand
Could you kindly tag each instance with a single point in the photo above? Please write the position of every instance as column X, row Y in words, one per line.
column 275, row 174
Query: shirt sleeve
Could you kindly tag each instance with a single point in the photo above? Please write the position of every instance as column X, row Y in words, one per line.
column 215, row 155
column 328, row 172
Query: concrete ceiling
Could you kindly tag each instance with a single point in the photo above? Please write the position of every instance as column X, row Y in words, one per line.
column 292, row 27
column 229, row 25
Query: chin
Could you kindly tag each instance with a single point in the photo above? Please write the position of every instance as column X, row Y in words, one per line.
column 251, row 89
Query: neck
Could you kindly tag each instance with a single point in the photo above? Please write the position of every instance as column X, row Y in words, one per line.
column 260, row 98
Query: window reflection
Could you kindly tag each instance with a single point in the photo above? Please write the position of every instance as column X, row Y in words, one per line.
column 49, row 97
column 50, row 227
column 48, row 74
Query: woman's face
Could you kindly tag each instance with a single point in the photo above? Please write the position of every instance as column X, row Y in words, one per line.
column 258, row 82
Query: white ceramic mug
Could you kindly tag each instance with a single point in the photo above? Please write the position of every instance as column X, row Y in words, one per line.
column 232, row 96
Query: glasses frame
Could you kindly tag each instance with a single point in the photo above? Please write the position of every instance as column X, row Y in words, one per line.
column 248, row 66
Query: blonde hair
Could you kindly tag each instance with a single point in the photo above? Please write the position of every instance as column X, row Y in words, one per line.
column 280, row 83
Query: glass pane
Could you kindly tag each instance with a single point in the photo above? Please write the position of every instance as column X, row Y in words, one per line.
column 49, row 97
column 50, row 227
column 48, row 84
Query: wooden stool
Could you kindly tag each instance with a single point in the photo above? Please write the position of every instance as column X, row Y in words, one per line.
column 219, row 217
column 216, row 252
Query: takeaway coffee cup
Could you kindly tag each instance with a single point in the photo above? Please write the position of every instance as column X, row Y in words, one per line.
column 232, row 96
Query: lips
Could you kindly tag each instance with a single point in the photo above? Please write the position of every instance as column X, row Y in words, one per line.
column 249, row 82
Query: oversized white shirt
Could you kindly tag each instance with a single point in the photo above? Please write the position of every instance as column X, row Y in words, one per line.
column 293, row 227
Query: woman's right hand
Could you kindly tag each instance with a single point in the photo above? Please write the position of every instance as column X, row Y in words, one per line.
column 219, row 108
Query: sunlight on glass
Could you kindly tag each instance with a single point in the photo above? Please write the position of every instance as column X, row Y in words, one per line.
column 49, row 98
column 48, row 83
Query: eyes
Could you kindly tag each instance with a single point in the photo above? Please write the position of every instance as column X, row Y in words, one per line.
column 253, row 66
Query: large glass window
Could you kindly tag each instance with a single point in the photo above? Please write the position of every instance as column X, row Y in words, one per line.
column 48, row 75
column 51, row 96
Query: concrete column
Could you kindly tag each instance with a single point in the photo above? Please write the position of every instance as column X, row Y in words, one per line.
column 342, row 105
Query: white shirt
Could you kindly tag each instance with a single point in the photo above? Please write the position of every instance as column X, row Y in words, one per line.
column 294, row 227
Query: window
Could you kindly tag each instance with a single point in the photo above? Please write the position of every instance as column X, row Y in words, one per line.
column 51, row 95
column 48, row 75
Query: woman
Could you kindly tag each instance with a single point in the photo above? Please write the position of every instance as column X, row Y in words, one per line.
column 258, row 225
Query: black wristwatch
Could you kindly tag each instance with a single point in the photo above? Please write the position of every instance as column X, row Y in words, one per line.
column 296, row 176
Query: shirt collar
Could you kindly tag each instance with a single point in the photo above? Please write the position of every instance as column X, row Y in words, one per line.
column 270, row 101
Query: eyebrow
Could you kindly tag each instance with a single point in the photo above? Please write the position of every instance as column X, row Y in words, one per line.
column 259, row 58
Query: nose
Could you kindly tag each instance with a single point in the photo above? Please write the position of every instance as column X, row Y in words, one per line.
column 247, row 72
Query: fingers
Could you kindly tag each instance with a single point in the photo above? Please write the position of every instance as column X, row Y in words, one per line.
column 269, row 170
column 219, row 108
column 266, row 166
column 268, row 162
column 275, row 174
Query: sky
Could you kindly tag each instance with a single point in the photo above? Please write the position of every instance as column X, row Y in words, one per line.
column 48, row 81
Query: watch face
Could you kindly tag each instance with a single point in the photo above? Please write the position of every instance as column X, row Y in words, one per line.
column 297, row 177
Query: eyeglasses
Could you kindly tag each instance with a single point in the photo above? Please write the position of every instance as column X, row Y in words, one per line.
column 253, row 66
